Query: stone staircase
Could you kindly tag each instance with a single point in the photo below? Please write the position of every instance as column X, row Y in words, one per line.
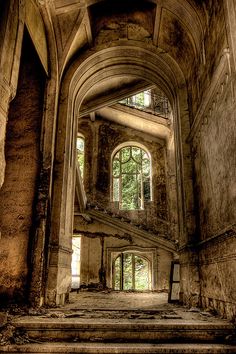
column 118, row 214
column 127, row 226
column 99, row 334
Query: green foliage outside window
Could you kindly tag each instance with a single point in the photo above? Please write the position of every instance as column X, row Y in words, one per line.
column 131, row 177
column 80, row 154
column 131, row 272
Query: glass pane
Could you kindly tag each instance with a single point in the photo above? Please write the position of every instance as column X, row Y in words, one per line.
column 116, row 168
column 146, row 167
column 146, row 189
column 117, row 274
column 127, row 272
column 147, row 98
column 129, row 192
column 116, row 189
column 141, row 274
column 129, row 167
column 139, row 99
column 137, row 154
column 125, row 154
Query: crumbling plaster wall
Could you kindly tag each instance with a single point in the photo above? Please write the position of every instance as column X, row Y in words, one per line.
column 17, row 195
column 214, row 144
column 15, row 16
column 11, row 30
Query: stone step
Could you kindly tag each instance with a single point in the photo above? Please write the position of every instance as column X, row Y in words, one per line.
column 120, row 348
column 115, row 331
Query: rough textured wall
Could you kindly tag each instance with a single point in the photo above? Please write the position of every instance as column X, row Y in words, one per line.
column 202, row 69
column 22, row 165
column 105, row 138
column 214, row 146
column 117, row 21
column 215, row 166
column 175, row 40
column 215, row 169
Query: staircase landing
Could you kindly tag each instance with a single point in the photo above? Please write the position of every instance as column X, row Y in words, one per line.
column 104, row 322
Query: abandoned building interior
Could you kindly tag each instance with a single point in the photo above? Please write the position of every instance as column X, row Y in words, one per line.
column 118, row 158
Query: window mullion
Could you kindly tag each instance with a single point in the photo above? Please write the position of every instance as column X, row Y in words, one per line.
column 122, row 271
column 133, row 272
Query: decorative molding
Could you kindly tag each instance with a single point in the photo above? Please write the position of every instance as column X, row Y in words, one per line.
column 98, row 234
column 219, row 259
column 219, row 83
column 62, row 249
column 88, row 28
column 157, row 23
column 230, row 12
column 220, row 236
column 64, row 6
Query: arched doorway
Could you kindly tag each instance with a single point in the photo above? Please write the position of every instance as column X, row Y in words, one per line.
column 131, row 271
column 84, row 76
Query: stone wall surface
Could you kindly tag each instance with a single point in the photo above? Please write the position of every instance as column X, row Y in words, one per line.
column 215, row 167
column 217, row 261
column 214, row 145
column 215, row 41
column 22, row 166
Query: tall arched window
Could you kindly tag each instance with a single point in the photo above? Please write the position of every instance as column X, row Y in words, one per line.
column 80, row 153
column 131, row 177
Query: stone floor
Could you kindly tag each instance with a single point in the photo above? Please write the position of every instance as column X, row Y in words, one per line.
column 127, row 305
column 117, row 300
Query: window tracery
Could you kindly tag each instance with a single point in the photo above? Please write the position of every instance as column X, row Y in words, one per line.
column 131, row 177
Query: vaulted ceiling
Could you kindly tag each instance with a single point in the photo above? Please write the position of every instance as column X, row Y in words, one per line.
column 175, row 27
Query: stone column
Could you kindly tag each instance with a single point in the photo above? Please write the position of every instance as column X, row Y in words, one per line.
column 5, row 94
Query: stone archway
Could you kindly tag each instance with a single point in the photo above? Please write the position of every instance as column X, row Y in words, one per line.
column 154, row 67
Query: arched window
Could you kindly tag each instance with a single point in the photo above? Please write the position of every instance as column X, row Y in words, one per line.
column 80, row 154
column 131, row 272
column 131, row 177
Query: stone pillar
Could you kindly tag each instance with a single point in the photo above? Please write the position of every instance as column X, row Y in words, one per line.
column 5, row 94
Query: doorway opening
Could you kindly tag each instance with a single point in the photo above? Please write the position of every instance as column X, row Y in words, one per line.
column 131, row 272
